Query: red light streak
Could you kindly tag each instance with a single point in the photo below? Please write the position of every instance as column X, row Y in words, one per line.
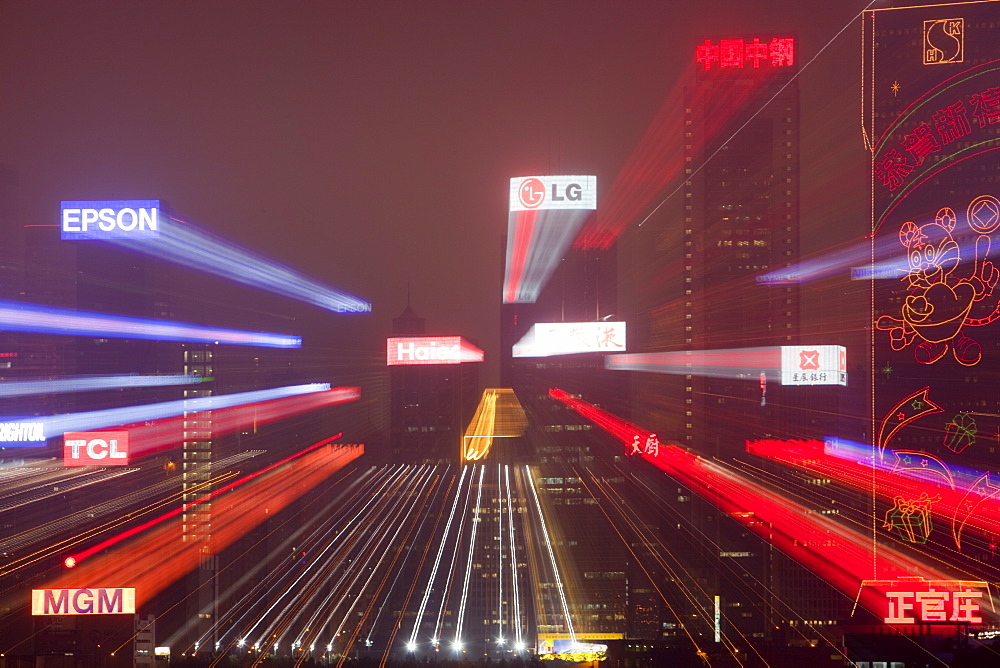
column 158, row 557
column 656, row 161
column 80, row 556
column 962, row 507
column 840, row 556
column 159, row 435
column 524, row 230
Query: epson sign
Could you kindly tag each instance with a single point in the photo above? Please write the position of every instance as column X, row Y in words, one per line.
column 110, row 219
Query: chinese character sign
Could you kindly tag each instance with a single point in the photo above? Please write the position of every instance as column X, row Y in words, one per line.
column 743, row 53
column 813, row 365
column 567, row 338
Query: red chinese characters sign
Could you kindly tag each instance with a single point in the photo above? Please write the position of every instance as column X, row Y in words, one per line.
column 740, row 53
column 914, row 600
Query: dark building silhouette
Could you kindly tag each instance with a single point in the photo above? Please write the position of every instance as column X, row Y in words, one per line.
column 430, row 404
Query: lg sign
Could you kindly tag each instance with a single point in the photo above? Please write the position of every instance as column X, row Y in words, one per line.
column 528, row 193
column 95, row 448
column 110, row 219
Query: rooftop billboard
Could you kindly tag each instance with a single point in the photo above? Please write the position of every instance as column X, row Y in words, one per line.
column 430, row 350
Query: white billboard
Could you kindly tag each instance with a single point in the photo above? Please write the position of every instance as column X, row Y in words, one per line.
column 813, row 365
column 94, row 601
column 539, row 193
column 569, row 338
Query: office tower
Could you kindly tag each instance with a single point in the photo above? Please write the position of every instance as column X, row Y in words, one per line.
column 433, row 394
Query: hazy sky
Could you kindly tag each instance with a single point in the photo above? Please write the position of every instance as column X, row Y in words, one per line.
column 370, row 144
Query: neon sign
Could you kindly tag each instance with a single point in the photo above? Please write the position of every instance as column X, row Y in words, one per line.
column 914, row 600
column 534, row 193
column 813, row 365
column 97, row 601
column 95, row 448
column 567, row 338
column 110, row 219
column 430, row 350
column 22, row 432
column 735, row 53
column 944, row 41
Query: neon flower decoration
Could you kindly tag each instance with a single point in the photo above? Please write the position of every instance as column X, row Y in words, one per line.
column 22, row 317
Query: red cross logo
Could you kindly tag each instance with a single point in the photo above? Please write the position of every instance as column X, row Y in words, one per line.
column 809, row 359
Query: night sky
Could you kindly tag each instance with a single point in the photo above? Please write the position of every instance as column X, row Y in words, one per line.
column 370, row 144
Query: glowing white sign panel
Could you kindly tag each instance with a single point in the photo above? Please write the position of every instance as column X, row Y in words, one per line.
column 95, row 448
column 813, row 365
column 431, row 350
column 110, row 219
column 568, row 338
column 96, row 601
column 22, row 432
column 539, row 193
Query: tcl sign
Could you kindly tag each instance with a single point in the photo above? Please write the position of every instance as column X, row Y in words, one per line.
column 530, row 193
column 95, row 448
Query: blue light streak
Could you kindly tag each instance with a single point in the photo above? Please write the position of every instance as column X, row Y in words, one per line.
column 189, row 246
column 26, row 387
column 23, row 317
column 57, row 425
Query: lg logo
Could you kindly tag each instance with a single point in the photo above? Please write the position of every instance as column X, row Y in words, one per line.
column 532, row 193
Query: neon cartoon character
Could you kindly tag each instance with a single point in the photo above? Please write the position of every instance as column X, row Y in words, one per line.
column 937, row 309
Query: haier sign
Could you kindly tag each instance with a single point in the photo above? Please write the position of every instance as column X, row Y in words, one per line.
column 431, row 350
column 110, row 219
column 95, row 448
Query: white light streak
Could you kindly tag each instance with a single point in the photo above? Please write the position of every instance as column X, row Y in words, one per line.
column 552, row 558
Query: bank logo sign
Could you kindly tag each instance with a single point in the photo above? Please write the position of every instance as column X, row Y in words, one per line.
column 96, row 601
column 813, row 365
column 110, row 219
column 539, row 193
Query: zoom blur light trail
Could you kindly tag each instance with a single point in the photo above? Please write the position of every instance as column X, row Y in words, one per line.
column 158, row 557
column 655, row 163
column 74, row 560
column 965, row 500
column 23, row 317
column 840, row 556
column 152, row 437
column 192, row 247
column 56, row 425
column 26, row 387
column 733, row 363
